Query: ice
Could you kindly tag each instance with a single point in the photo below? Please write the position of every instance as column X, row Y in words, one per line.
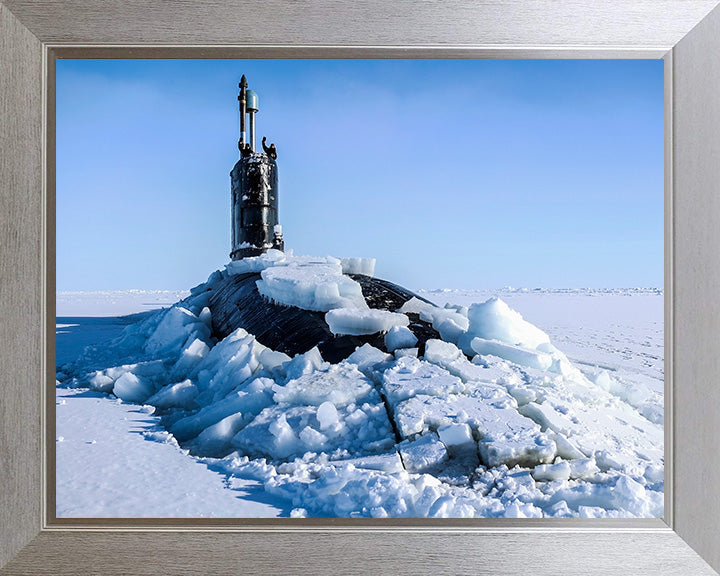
column 495, row 320
column 449, row 357
column 249, row 400
column 550, row 472
column 215, row 439
column 415, row 306
column 178, row 395
column 389, row 462
column 306, row 363
column 327, row 415
column 367, row 357
column 357, row 322
column 257, row 263
column 406, row 353
column 513, row 443
column 423, row 454
column 516, row 354
column 177, row 324
column 456, row 437
column 449, row 322
column 410, row 376
column 132, row 388
column 190, row 357
column 399, row 337
column 364, row 266
column 583, row 468
column 229, row 364
column 318, row 286
column 339, row 384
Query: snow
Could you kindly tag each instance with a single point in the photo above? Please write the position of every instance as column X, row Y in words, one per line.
column 493, row 420
column 112, row 457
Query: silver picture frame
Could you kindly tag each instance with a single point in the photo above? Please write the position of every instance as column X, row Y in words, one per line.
column 685, row 33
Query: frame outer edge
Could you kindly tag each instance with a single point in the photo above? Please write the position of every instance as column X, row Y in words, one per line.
column 21, row 306
column 696, row 112
column 21, row 341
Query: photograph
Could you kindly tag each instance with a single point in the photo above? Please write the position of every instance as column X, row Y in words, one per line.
column 359, row 288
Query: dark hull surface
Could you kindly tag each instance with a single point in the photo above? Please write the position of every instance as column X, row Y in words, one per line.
column 236, row 303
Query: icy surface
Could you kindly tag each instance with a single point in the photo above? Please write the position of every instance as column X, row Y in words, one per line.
column 493, row 420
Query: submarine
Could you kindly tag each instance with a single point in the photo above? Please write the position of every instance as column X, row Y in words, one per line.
column 235, row 301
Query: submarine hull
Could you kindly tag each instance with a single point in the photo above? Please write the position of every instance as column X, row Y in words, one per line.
column 236, row 303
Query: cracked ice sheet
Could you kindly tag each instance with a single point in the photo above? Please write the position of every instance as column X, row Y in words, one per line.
column 594, row 421
column 425, row 397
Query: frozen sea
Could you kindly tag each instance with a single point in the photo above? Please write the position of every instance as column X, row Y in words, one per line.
column 133, row 467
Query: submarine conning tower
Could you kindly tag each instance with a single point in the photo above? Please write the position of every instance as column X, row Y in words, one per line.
column 254, row 188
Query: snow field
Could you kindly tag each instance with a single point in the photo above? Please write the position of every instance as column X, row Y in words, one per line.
column 492, row 421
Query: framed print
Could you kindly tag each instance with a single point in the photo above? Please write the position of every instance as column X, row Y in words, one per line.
column 683, row 34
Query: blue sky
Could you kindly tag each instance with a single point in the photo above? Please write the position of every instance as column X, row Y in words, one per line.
column 452, row 173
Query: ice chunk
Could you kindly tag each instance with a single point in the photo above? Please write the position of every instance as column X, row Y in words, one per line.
column 253, row 397
column 449, row 356
column 506, row 437
column 565, row 448
column 358, row 322
column 257, row 263
column 548, row 417
column 583, row 468
column 285, row 439
column 495, row 320
column 389, row 462
column 399, row 337
column 523, row 448
column 441, row 353
column 312, row 439
column 327, row 415
column 215, row 440
column 364, row 266
column 191, row 355
column 457, row 437
column 550, row 472
column 366, row 357
column 178, row 395
column 272, row 361
column 319, row 287
column 229, row 364
column 305, row 364
column 406, row 352
column 132, row 388
column 101, row 381
column 423, row 454
column 448, row 322
column 173, row 330
column 515, row 354
column 416, row 306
